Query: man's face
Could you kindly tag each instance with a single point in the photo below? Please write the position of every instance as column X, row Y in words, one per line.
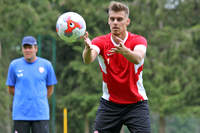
column 118, row 22
column 29, row 52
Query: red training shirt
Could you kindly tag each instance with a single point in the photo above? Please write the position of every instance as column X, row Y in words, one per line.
column 122, row 79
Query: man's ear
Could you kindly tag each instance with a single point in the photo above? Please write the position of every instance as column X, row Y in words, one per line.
column 108, row 21
column 36, row 47
column 128, row 21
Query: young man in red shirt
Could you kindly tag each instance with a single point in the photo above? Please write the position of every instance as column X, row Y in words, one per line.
column 121, row 57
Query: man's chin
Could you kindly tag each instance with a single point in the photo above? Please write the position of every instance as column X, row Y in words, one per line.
column 29, row 59
column 116, row 33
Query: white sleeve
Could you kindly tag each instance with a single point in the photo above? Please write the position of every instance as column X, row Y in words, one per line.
column 141, row 47
column 96, row 48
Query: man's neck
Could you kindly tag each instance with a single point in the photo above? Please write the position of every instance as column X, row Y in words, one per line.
column 31, row 59
column 121, row 36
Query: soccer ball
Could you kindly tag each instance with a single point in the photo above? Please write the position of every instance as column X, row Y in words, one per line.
column 70, row 26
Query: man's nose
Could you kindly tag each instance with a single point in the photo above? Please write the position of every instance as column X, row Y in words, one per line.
column 115, row 21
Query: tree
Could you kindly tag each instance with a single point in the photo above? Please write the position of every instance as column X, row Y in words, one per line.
column 17, row 20
column 171, row 65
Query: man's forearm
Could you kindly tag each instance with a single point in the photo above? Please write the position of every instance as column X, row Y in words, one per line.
column 11, row 90
column 87, row 55
column 50, row 90
column 133, row 57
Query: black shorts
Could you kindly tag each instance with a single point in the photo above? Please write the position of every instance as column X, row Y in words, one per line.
column 111, row 116
column 21, row 126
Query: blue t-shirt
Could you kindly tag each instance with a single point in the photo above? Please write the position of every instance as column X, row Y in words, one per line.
column 30, row 80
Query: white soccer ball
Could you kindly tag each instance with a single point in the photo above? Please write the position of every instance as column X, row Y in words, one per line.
column 70, row 26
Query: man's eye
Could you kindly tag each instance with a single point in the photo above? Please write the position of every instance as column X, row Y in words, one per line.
column 112, row 19
column 119, row 19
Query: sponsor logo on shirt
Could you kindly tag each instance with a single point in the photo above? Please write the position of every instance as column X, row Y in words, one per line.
column 109, row 54
column 41, row 69
column 19, row 73
column 108, row 60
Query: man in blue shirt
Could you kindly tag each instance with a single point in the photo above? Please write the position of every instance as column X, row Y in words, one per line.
column 30, row 80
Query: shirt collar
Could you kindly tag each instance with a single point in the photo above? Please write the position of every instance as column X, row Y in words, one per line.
column 126, row 37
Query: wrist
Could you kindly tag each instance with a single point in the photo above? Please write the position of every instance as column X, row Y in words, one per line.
column 87, row 47
column 126, row 52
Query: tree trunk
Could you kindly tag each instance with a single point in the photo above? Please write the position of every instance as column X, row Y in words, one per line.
column 162, row 124
column 0, row 51
column 86, row 125
column 122, row 130
column 160, row 24
column 9, row 122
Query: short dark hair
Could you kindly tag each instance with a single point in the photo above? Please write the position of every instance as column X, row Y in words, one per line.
column 118, row 6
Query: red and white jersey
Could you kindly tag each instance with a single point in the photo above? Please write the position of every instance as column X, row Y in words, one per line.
column 122, row 79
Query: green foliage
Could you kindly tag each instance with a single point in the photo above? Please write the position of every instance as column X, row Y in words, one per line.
column 80, row 106
column 4, row 101
column 172, row 66
column 177, row 124
column 81, row 90
column 171, row 75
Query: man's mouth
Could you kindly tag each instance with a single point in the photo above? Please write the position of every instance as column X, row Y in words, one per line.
column 27, row 54
column 115, row 28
